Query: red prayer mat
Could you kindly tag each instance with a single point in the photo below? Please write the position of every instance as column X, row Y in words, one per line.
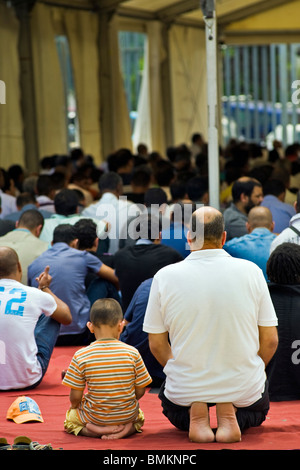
column 280, row 431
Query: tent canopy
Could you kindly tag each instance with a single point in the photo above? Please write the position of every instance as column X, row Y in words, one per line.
column 173, row 102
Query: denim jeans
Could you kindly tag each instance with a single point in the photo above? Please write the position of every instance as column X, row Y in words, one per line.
column 46, row 332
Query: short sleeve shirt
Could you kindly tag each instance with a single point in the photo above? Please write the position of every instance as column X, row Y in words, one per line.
column 68, row 268
column 20, row 309
column 211, row 304
column 111, row 369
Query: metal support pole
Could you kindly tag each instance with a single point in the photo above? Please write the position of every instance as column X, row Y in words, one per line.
column 208, row 8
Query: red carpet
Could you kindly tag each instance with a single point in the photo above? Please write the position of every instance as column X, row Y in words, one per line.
column 281, row 430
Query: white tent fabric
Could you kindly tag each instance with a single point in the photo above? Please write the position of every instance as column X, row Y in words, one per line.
column 188, row 82
column 180, row 23
column 142, row 126
column 149, row 127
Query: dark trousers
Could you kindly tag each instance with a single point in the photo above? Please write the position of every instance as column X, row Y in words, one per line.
column 247, row 417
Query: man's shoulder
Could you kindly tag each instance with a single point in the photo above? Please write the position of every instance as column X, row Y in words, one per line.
column 88, row 258
column 123, row 252
column 286, row 236
column 242, row 266
column 91, row 211
column 52, row 221
column 231, row 208
column 7, row 236
column 237, row 241
column 169, row 251
column 21, row 235
column 45, row 257
column 32, row 292
column 159, row 249
column 233, row 212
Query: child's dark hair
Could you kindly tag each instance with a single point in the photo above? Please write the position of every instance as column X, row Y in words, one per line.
column 106, row 312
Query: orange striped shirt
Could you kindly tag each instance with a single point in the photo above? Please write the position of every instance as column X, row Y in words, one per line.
column 110, row 369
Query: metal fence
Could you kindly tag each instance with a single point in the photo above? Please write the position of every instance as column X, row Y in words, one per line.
column 257, row 101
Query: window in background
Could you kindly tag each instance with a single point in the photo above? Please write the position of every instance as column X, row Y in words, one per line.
column 72, row 123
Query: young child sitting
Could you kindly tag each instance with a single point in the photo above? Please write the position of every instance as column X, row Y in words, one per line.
column 115, row 376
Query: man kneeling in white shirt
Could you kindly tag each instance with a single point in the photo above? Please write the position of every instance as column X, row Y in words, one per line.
column 212, row 326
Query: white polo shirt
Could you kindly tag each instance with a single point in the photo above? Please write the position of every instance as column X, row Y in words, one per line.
column 211, row 304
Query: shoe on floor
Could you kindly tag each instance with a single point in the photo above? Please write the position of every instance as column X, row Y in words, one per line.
column 4, row 445
column 21, row 443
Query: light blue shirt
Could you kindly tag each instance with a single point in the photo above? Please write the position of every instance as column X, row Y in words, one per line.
column 68, row 268
column 254, row 246
column 176, row 237
column 281, row 212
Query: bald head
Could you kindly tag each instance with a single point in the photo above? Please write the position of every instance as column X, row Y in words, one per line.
column 260, row 216
column 206, row 229
column 9, row 263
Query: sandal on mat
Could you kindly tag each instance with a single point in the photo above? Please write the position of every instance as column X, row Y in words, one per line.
column 36, row 446
column 21, row 443
column 4, row 445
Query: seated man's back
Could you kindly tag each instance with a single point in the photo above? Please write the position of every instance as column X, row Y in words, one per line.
column 66, row 204
column 255, row 245
column 68, row 268
column 134, row 264
column 25, row 239
column 134, row 334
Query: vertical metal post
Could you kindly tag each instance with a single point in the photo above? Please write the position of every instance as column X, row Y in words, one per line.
column 273, row 86
column 212, row 102
column 246, row 90
column 293, row 55
column 265, row 94
column 255, row 92
column 228, row 90
column 237, row 91
column 283, row 91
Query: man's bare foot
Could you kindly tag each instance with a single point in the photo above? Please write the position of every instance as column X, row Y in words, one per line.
column 228, row 428
column 93, row 430
column 200, row 430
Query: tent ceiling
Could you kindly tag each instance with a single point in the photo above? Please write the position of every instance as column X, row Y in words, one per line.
column 179, row 11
